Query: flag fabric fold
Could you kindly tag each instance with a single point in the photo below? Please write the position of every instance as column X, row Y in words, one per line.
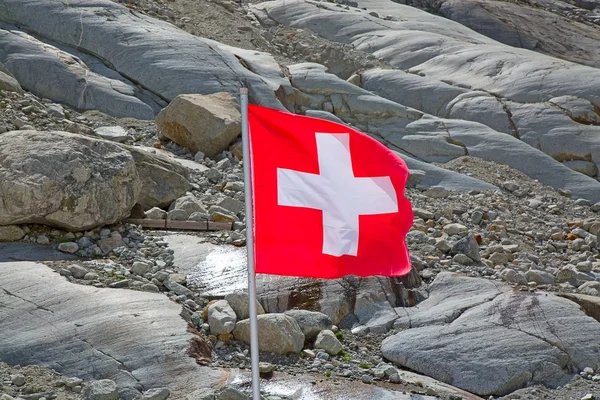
column 328, row 200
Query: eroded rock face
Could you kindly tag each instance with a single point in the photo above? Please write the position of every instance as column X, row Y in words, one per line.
column 202, row 123
column 64, row 180
column 39, row 67
column 490, row 340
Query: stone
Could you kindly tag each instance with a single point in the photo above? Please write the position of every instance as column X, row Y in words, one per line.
column 279, row 333
column 9, row 83
column 163, row 179
column 91, row 276
column 221, row 317
column 97, row 186
column 238, row 301
column 234, row 186
column 311, row 322
column 233, row 205
column 437, row 192
column 206, row 123
column 189, row 204
column 202, row 394
column 511, row 186
column 568, row 273
column 56, row 111
column 11, row 233
column 522, row 338
column 68, row 247
column 176, row 288
column 539, row 277
column 467, row 246
column 156, row 213
column 104, row 389
column 140, row 268
column 327, row 341
column 156, row 394
column 77, row 271
column 218, row 216
column 178, row 215
column 110, row 243
column 17, row 379
column 230, row 393
column 462, row 259
column 455, row 229
column 213, row 175
column 511, row 276
column 113, row 133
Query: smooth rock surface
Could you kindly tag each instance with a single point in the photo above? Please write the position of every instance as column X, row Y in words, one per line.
column 488, row 339
column 96, row 333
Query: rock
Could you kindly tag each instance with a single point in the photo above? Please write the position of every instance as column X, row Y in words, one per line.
column 156, row 394
column 78, row 271
column 68, row 247
column 437, row 192
column 178, row 215
column 467, row 246
column 511, row 186
column 511, row 276
column 156, row 213
column 30, row 59
column 202, row 394
column 213, row 175
column 9, row 83
column 415, row 178
column 568, row 273
column 17, row 379
column 104, row 389
column 91, row 276
column 311, row 322
column 238, row 301
column 189, row 204
column 163, row 179
column 221, row 317
column 278, row 333
column 539, row 277
column 218, row 216
column 206, row 123
column 522, row 338
column 585, row 167
column 56, row 111
column 235, row 206
column 234, row 186
column 372, row 308
column 230, row 393
column 65, row 180
column 462, row 259
column 455, row 229
column 140, row 268
column 113, row 133
column 110, row 243
column 11, row 233
column 177, row 288
column 327, row 341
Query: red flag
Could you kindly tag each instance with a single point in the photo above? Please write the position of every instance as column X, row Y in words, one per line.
column 328, row 200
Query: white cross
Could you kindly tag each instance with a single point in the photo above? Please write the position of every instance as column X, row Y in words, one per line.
column 338, row 193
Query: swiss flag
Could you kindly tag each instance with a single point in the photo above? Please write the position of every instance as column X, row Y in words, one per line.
column 328, row 200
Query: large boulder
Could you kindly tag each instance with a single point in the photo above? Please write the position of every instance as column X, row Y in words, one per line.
column 486, row 338
column 311, row 322
column 201, row 123
column 64, row 180
column 163, row 180
column 277, row 333
column 241, row 306
column 221, row 317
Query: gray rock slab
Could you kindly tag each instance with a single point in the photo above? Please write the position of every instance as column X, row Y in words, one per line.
column 96, row 333
column 163, row 59
column 497, row 340
column 54, row 74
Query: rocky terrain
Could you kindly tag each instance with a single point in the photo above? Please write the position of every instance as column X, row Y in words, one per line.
column 122, row 225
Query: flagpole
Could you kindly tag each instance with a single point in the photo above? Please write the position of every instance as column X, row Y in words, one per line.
column 250, row 246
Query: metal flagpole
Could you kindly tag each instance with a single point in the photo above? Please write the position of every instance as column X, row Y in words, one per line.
column 250, row 247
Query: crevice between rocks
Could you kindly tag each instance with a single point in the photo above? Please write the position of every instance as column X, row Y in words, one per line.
column 27, row 301
column 121, row 364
